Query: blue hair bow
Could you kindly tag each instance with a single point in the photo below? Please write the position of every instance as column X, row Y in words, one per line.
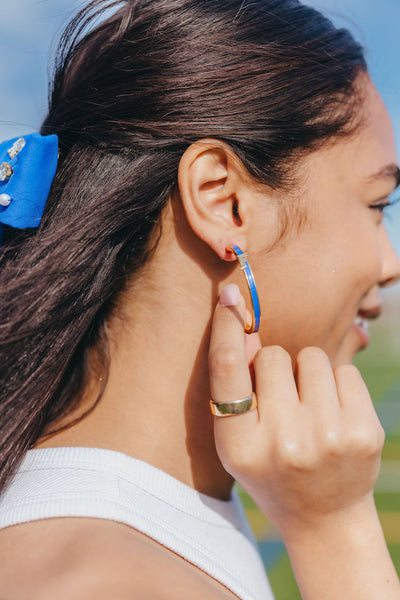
column 27, row 168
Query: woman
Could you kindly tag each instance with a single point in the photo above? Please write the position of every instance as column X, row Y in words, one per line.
column 191, row 131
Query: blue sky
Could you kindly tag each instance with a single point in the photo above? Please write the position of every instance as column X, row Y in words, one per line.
column 375, row 23
column 28, row 31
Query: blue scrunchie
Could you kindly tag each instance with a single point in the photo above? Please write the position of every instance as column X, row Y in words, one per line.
column 27, row 168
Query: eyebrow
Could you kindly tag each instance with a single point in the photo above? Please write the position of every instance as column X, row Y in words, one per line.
column 387, row 172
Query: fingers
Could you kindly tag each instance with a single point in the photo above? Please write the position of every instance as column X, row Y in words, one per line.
column 318, row 395
column 365, row 431
column 228, row 365
column 275, row 384
column 312, row 447
column 352, row 391
column 229, row 373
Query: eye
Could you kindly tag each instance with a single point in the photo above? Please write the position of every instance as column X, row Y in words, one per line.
column 382, row 206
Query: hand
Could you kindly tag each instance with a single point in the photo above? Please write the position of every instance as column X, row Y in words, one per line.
column 312, row 448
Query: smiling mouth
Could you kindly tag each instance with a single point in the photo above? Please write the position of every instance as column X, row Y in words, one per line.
column 361, row 322
column 364, row 323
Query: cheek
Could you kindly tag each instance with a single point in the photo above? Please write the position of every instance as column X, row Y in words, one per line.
column 309, row 298
column 299, row 306
column 353, row 256
column 363, row 261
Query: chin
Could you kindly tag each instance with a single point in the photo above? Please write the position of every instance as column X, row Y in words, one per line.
column 356, row 339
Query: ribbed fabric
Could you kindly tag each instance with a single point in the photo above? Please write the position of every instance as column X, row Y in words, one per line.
column 93, row 482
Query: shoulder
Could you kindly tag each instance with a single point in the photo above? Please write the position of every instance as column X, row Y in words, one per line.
column 66, row 558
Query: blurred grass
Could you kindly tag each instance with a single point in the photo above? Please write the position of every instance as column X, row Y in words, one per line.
column 380, row 367
column 387, row 502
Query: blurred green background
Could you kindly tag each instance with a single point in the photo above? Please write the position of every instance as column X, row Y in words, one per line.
column 380, row 367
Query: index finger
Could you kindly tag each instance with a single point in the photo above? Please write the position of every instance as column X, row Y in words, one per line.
column 228, row 364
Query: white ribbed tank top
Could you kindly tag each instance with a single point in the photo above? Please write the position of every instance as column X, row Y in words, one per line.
column 92, row 482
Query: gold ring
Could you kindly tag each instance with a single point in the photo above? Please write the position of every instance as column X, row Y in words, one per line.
column 234, row 407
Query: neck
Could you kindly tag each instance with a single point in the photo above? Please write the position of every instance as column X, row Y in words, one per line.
column 155, row 405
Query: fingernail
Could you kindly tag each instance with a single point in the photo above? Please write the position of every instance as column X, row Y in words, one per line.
column 230, row 295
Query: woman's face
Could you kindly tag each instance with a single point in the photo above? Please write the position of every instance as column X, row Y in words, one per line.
column 315, row 284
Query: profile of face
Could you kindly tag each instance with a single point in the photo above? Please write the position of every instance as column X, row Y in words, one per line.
column 328, row 271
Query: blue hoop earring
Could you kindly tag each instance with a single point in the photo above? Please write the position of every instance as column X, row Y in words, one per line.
column 251, row 284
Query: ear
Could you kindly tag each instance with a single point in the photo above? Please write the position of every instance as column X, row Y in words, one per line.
column 213, row 187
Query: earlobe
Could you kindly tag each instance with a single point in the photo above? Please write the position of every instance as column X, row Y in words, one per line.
column 211, row 188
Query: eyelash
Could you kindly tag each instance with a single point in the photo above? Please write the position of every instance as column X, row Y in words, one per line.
column 387, row 203
column 382, row 207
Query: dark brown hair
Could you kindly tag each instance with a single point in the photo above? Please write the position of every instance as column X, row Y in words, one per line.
column 133, row 88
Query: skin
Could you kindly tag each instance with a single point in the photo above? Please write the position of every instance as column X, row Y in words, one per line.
column 315, row 421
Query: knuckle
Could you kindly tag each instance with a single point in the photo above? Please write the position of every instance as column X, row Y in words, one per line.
column 293, row 456
column 378, row 439
column 381, row 436
column 333, row 443
column 366, row 442
column 224, row 360
column 270, row 355
column 238, row 462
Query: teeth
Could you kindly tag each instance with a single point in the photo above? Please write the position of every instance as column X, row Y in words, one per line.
column 364, row 323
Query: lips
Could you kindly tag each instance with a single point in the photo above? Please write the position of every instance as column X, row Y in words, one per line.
column 361, row 325
column 361, row 322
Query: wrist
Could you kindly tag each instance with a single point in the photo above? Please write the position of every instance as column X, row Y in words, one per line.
column 353, row 524
column 343, row 555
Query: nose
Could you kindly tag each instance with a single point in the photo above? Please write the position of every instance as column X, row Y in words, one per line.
column 391, row 261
